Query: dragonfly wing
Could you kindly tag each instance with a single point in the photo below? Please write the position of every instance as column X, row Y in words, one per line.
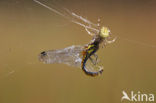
column 71, row 56
column 93, row 65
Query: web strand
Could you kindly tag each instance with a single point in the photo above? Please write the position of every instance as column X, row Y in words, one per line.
column 72, row 18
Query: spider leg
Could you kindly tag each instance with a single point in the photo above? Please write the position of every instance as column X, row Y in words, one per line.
column 111, row 41
column 104, row 43
column 99, row 22
column 90, row 33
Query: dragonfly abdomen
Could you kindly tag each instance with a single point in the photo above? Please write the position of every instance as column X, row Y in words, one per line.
column 90, row 50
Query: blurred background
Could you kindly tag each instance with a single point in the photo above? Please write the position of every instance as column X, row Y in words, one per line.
column 26, row 29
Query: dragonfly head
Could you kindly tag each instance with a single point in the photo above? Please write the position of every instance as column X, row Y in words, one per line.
column 104, row 32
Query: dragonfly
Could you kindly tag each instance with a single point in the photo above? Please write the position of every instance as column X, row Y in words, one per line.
column 81, row 56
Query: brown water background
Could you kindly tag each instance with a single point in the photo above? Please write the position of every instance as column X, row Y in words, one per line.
column 27, row 28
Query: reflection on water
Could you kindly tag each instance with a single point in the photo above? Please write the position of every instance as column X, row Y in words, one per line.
column 26, row 29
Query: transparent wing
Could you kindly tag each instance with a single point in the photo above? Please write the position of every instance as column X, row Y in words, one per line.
column 71, row 56
column 93, row 65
